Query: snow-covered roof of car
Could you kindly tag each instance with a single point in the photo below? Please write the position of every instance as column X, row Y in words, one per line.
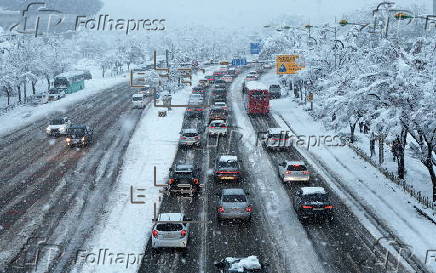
column 313, row 190
column 138, row 95
column 296, row 163
column 184, row 167
column 189, row 130
column 220, row 103
column 171, row 216
column 217, row 121
column 227, row 158
column 253, row 85
column 233, row 191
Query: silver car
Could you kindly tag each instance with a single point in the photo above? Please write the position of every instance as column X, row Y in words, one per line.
column 293, row 171
column 234, row 204
column 190, row 137
column 170, row 231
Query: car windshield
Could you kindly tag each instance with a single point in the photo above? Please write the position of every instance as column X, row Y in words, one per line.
column 56, row 122
column 137, row 98
column 169, row 227
column 53, row 91
column 234, row 198
column 297, row 167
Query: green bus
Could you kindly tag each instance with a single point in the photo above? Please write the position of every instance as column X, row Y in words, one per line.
column 71, row 81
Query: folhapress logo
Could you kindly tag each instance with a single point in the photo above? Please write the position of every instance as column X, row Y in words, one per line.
column 37, row 19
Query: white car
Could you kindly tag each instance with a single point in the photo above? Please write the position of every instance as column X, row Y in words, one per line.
column 169, row 231
column 220, row 105
column 56, row 94
column 57, row 127
column 293, row 171
column 139, row 100
column 217, row 127
column 278, row 139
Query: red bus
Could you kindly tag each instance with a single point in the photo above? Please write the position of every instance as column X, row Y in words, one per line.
column 256, row 100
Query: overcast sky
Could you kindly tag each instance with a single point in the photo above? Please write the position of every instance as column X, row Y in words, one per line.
column 236, row 13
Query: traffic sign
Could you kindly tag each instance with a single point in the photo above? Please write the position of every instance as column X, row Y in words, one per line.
column 255, row 48
column 237, row 62
column 286, row 64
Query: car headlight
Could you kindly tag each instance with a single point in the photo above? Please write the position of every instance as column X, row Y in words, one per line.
column 48, row 130
column 68, row 139
column 83, row 138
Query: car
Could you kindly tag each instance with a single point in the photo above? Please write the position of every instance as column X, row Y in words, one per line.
column 234, row 204
column 196, row 97
column 184, row 178
column 278, row 139
column 195, row 109
column 199, row 90
column 139, row 100
column 275, row 91
column 253, row 74
column 147, row 90
column 219, row 114
column 58, row 126
column 220, row 83
column 56, row 94
column 79, row 135
column 293, row 171
column 210, row 79
column 227, row 78
column 40, row 98
column 220, row 105
column 190, row 137
column 87, row 75
column 313, row 203
column 168, row 231
column 217, row 127
column 267, row 66
column 227, row 168
column 203, row 83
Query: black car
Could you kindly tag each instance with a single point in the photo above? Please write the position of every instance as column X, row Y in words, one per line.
column 227, row 168
column 313, row 203
column 79, row 135
column 184, row 179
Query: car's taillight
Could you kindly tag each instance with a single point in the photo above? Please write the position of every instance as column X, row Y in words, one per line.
column 183, row 233
column 288, row 172
column 248, row 209
column 182, row 137
column 307, row 207
column 171, row 181
column 220, row 209
column 306, row 172
column 328, row 207
column 196, row 181
column 155, row 233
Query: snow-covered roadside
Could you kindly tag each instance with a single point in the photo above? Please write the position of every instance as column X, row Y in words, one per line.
column 124, row 232
column 297, row 250
column 26, row 114
column 383, row 198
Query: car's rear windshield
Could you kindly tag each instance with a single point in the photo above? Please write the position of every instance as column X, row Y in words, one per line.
column 76, row 131
column 275, row 86
column 316, row 197
column 169, row 227
column 228, row 164
column 190, row 134
column 297, row 167
column 137, row 98
column 56, row 121
column 234, row 198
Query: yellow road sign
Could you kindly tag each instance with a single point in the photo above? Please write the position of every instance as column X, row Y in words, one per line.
column 286, row 64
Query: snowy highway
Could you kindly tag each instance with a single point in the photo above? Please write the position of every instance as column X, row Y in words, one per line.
column 228, row 137
column 55, row 193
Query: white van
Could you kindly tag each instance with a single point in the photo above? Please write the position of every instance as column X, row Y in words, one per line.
column 139, row 100
column 55, row 94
